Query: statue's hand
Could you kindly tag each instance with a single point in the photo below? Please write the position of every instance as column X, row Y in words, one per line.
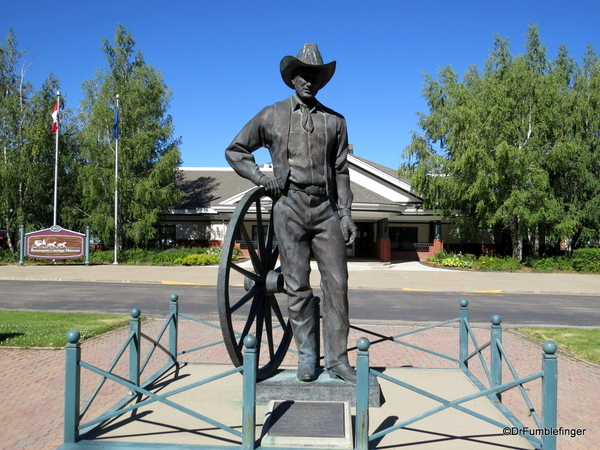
column 348, row 229
column 271, row 186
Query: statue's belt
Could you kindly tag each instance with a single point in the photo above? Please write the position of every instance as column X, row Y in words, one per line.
column 310, row 189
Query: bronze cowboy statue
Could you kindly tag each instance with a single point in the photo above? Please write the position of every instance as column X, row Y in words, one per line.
column 311, row 193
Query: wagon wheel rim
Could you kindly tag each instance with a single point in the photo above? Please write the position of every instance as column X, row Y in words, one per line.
column 262, row 283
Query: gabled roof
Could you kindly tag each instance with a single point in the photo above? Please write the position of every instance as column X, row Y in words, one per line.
column 376, row 188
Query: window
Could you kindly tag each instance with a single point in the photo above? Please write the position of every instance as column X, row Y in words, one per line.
column 403, row 238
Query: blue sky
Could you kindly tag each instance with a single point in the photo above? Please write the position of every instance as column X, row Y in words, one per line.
column 221, row 58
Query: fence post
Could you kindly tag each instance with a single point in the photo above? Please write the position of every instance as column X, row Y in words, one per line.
column 134, row 346
column 317, row 313
column 464, row 333
column 362, row 394
column 249, row 394
column 72, row 387
column 549, row 394
column 87, row 245
column 173, row 324
column 495, row 355
column 22, row 246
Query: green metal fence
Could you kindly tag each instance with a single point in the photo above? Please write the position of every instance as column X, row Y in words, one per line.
column 141, row 393
column 493, row 372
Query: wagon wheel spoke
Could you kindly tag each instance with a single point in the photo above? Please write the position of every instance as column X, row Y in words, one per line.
column 275, row 308
column 252, row 315
column 275, row 255
column 260, row 319
column 256, row 262
column 246, row 273
column 271, row 259
column 269, row 327
column 241, row 302
column 260, row 230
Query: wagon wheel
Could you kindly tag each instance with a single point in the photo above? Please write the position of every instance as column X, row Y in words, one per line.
column 261, row 283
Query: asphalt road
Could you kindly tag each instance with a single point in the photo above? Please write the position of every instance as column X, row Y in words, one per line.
column 365, row 305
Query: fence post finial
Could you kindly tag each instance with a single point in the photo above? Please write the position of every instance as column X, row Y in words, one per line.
column 72, row 387
column 549, row 393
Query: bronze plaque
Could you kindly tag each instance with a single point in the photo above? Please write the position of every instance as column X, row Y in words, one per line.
column 310, row 419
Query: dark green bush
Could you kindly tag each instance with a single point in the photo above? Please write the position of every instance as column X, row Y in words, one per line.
column 587, row 260
column 7, row 257
column 551, row 263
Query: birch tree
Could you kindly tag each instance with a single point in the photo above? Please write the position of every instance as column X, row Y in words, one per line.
column 481, row 157
column 26, row 143
column 149, row 155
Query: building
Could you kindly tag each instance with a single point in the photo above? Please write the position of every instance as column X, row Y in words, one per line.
column 391, row 222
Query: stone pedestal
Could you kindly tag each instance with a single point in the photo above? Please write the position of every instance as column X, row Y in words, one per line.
column 285, row 385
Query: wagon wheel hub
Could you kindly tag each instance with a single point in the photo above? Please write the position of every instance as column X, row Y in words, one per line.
column 271, row 280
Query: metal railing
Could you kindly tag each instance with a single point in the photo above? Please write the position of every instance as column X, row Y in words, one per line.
column 547, row 423
column 141, row 394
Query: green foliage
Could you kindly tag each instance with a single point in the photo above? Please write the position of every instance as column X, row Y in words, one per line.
column 551, row 264
column 6, row 256
column 198, row 260
column 485, row 262
column 157, row 257
column 28, row 146
column 44, row 329
column 587, row 260
column 457, row 261
column 448, row 259
column 493, row 263
column 515, row 146
column 148, row 154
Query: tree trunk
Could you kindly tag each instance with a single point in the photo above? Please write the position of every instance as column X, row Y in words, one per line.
column 515, row 237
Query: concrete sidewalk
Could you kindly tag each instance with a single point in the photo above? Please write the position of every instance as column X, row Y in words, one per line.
column 362, row 275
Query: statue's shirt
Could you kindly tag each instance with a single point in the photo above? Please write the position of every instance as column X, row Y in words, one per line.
column 272, row 128
column 307, row 149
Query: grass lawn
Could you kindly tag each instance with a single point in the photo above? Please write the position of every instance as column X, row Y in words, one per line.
column 583, row 342
column 45, row 329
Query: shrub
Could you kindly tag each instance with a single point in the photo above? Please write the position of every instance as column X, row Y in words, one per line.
column 587, row 260
column 497, row 263
column 438, row 257
column 7, row 257
column 551, row 263
column 165, row 258
column 448, row 259
column 197, row 260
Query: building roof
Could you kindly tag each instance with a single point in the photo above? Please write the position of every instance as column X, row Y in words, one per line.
column 376, row 189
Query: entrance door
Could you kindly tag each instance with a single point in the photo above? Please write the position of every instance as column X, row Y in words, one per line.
column 364, row 240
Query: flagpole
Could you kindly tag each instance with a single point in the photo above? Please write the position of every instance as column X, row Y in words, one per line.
column 56, row 159
column 116, row 136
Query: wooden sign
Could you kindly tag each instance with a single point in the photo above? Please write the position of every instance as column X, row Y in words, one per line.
column 55, row 243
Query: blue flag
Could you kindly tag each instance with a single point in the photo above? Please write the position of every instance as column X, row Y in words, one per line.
column 116, row 124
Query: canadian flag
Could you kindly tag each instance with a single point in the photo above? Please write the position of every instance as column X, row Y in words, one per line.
column 55, row 117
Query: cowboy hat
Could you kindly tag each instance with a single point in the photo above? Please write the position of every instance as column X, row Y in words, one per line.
column 309, row 57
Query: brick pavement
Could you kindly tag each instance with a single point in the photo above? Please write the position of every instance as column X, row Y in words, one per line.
column 31, row 415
